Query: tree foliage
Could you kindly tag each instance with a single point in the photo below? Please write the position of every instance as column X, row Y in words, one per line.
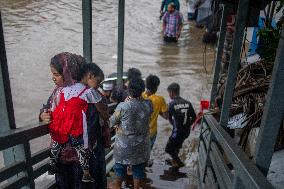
column 269, row 37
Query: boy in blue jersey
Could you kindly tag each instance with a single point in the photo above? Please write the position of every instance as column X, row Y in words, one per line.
column 181, row 116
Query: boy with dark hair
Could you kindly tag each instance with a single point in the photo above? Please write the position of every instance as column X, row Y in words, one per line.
column 98, row 118
column 133, row 73
column 119, row 93
column 159, row 105
column 92, row 76
column 181, row 116
column 132, row 148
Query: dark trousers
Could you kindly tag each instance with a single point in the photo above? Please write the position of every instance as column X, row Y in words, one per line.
column 174, row 145
column 170, row 39
column 70, row 175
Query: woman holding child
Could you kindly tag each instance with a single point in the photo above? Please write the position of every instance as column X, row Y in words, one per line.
column 74, row 111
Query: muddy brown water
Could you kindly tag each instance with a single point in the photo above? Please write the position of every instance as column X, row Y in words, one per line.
column 36, row 30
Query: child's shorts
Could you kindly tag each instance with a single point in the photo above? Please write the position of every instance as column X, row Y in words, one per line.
column 137, row 170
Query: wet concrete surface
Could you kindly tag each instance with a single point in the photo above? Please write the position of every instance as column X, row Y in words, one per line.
column 163, row 176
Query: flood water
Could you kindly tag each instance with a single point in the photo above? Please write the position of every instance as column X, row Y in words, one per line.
column 36, row 30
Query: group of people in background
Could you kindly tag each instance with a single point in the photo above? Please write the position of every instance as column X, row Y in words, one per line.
column 173, row 21
column 79, row 123
column 79, row 120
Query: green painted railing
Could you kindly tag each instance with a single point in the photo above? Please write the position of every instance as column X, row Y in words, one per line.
column 216, row 150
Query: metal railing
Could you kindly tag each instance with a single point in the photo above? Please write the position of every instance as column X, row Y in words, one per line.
column 274, row 103
column 36, row 164
column 216, row 150
column 24, row 169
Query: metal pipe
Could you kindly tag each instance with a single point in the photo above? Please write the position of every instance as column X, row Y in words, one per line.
column 273, row 112
column 87, row 29
column 7, row 109
column 120, row 43
column 217, row 68
column 207, row 158
column 268, row 14
column 234, row 61
column 7, row 118
column 245, row 169
column 271, row 14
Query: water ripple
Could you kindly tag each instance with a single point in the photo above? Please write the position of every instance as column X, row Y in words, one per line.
column 35, row 30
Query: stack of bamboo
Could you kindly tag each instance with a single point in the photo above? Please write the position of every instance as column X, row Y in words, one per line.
column 249, row 97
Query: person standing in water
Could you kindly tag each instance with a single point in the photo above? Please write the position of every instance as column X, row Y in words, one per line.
column 172, row 24
column 181, row 116
column 164, row 6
